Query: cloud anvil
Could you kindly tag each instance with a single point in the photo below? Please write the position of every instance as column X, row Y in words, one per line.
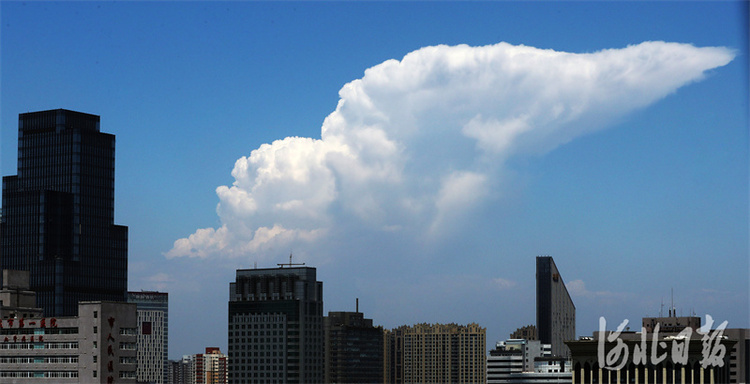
column 421, row 142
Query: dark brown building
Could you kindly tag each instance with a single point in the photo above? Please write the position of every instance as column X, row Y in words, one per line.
column 353, row 349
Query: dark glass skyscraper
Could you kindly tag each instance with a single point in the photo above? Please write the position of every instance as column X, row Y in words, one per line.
column 555, row 311
column 353, row 349
column 276, row 326
column 58, row 212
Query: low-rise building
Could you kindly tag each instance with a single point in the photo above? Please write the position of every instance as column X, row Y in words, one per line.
column 520, row 361
column 97, row 346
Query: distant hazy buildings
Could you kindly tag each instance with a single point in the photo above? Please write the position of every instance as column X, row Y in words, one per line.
column 96, row 346
column 58, row 212
column 671, row 323
column 555, row 311
column 180, row 371
column 527, row 333
column 276, row 326
column 353, row 349
column 153, row 336
column 435, row 353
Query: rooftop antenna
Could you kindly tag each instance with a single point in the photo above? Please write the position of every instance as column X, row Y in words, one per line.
column 672, row 311
column 290, row 264
column 661, row 309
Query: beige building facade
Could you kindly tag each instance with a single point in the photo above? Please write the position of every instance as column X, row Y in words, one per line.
column 435, row 353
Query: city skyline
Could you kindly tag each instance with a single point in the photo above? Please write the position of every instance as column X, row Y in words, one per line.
column 653, row 199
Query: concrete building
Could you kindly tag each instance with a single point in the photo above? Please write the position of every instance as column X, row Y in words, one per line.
column 276, row 326
column 667, row 357
column 209, row 367
column 58, row 212
column 739, row 358
column 153, row 336
column 739, row 355
column 525, row 361
column 353, row 349
column 16, row 300
column 435, row 353
column 671, row 323
column 555, row 311
column 97, row 346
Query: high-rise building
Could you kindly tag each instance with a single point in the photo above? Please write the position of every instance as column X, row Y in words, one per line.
column 555, row 311
column 435, row 353
column 209, row 367
column 276, row 326
column 153, row 338
column 58, row 212
column 181, row 371
column 353, row 349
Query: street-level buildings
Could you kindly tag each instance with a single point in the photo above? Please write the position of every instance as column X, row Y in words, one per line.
column 435, row 353
column 58, row 212
column 555, row 311
column 153, row 335
column 682, row 351
column 276, row 326
column 96, row 346
column 520, row 361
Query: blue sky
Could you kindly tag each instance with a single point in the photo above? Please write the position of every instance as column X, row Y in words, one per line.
column 648, row 197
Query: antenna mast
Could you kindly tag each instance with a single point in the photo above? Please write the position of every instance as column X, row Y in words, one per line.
column 290, row 264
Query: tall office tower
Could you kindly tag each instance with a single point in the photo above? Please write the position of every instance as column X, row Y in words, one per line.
column 276, row 326
column 353, row 349
column 153, row 338
column 209, row 367
column 58, row 212
column 555, row 311
column 435, row 353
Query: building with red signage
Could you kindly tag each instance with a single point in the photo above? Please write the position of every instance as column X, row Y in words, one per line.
column 97, row 346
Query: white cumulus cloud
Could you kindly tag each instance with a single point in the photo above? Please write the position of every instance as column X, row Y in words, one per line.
column 420, row 143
